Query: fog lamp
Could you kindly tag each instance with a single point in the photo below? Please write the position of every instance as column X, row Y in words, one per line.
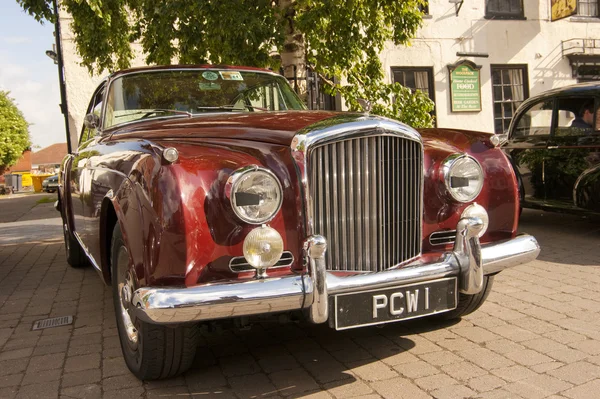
column 477, row 211
column 263, row 247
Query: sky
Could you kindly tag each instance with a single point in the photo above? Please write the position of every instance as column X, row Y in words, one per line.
column 29, row 75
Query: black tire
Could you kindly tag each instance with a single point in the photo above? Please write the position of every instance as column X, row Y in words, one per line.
column 469, row 303
column 75, row 255
column 157, row 351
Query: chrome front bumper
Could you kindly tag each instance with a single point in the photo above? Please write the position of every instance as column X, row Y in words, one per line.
column 469, row 261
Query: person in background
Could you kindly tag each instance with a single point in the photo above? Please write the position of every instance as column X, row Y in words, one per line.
column 585, row 119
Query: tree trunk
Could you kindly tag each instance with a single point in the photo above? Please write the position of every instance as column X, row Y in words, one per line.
column 293, row 55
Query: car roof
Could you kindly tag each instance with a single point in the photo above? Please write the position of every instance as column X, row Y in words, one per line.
column 588, row 88
column 179, row 67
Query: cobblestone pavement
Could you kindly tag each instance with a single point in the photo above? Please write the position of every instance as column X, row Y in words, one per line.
column 537, row 336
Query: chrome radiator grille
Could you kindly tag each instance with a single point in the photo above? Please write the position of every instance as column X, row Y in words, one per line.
column 367, row 201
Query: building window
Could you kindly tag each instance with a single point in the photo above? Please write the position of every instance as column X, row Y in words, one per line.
column 504, row 9
column 425, row 7
column 416, row 78
column 510, row 85
column 587, row 8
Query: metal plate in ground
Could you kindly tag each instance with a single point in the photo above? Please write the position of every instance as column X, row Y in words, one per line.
column 53, row 322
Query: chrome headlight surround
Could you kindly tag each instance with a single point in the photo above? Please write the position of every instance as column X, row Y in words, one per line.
column 235, row 184
column 466, row 191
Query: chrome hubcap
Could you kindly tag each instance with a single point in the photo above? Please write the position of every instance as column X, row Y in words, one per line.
column 124, row 288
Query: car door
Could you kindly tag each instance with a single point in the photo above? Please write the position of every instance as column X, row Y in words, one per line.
column 80, row 178
column 572, row 157
column 527, row 145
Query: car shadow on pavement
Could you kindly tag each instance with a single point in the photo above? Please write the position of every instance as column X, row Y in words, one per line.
column 296, row 359
column 564, row 238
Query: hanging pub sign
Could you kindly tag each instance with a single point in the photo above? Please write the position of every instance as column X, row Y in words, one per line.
column 563, row 8
column 465, row 87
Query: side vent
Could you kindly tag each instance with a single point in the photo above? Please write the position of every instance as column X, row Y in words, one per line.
column 442, row 237
column 238, row 264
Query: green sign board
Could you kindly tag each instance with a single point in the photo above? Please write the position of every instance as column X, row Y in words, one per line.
column 465, row 87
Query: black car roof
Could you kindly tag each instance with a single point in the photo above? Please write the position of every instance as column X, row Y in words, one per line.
column 579, row 89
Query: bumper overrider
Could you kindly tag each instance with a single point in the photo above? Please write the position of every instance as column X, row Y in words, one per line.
column 468, row 262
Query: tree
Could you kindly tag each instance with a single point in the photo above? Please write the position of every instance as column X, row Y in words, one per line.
column 14, row 132
column 340, row 39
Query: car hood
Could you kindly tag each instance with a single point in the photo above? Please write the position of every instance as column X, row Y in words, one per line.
column 267, row 127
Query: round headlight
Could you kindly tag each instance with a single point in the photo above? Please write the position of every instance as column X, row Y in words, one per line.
column 255, row 194
column 463, row 177
column 263, row 247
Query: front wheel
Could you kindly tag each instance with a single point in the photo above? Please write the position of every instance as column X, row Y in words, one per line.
column 151, row 351
column 469, row 303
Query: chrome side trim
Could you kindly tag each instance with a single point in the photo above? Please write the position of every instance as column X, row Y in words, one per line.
column 88, row 254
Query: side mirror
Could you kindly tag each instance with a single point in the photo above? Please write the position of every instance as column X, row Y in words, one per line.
column 499, row 139
column 91, row 121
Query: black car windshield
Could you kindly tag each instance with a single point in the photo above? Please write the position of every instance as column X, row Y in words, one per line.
column 181, row 93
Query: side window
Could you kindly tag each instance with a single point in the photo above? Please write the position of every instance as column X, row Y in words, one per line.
column 267, row 97
column 537, row 120
column 95, row 107
column 575, row 116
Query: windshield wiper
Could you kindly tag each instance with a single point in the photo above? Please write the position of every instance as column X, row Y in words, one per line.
column 157, row 111
column 233, row 108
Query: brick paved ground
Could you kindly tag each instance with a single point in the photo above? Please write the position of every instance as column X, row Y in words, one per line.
column 537, row 336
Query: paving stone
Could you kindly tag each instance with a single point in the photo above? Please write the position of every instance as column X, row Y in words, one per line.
column 567, row 355
column 16, row 354
column 399, row 388
column 239, row 365
column 348, row 388
column 46, row 362
column 42, row 376
column 440, row 358
column 485, row 358
column 10, row 380
column 486, row 383
column 253, row 386
column 433, row 382
column 453, row 392
column 588, row 390
column 81, row 378
column 528, row 357
column 576, row 373
column 463, row 371
column 293, row 382
column 514, row 373
column 539, row 386
column 416, row 369
column 138, row 392
column 15, row 366
column 120, row 382
column 82, row 362
column 46, row 390
column 89, row 391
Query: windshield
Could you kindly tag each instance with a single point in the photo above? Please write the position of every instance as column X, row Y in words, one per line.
column 181, row 93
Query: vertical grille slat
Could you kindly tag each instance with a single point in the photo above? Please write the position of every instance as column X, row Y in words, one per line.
column 366, row 196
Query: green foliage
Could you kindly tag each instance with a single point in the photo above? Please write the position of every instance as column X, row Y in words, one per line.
column 14, row 132
column 342, row 39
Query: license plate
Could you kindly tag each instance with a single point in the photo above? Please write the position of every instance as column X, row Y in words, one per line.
column 367, row 308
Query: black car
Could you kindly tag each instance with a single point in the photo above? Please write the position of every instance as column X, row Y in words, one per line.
column 50, row 184
column 554, row 145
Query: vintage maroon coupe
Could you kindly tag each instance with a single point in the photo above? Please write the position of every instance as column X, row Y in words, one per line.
column 208, row 192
